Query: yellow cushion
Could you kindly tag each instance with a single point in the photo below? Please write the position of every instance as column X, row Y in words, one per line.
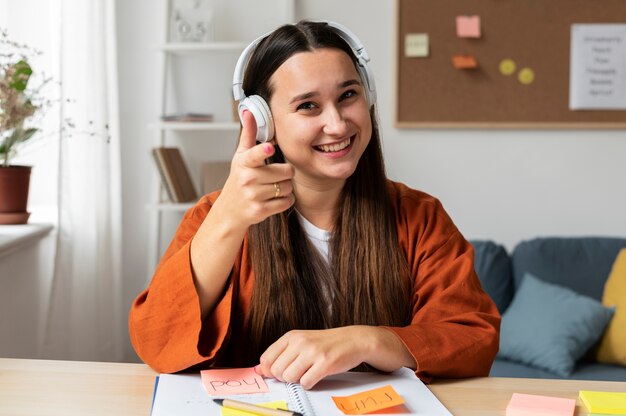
column 612, row 346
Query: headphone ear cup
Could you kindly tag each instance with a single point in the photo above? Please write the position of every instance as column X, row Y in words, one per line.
column 262, row 116
column 368, row 83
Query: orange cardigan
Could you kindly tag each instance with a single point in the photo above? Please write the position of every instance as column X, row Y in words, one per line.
column 453, row 333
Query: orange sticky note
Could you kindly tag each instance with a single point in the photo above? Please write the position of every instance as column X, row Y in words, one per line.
column 468, row 26
column 368, row 401
column 464, row 62
column 232, row 381
column 530, row 404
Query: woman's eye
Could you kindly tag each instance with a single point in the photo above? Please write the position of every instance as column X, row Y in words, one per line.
column 306, row 106
column 348, row 94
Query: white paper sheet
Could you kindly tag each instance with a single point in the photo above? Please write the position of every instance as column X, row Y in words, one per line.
column 598, row 67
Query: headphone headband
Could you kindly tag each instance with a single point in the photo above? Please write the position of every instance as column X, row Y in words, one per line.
column 238, row 93
column 350, row 38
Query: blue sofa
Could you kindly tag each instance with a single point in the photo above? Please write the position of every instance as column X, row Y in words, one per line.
column 582, row 264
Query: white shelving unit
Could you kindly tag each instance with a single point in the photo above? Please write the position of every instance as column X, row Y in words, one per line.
column 188, row 47
column 194, row 126
column 248, row 19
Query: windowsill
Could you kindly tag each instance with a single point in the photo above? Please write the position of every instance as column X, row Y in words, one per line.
column 16, row 237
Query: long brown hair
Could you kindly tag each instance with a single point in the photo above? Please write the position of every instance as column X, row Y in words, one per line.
column 368, row 279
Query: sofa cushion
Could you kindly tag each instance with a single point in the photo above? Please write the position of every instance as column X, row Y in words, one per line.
column 506, row 368
column 612, row 346
column 493, row 267
column 550, row 326
column 584, row 370
column 580, row 263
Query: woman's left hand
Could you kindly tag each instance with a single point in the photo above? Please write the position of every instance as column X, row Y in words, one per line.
column 307, row 356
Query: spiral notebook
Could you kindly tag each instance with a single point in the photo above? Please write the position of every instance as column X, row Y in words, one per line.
column 183, row 394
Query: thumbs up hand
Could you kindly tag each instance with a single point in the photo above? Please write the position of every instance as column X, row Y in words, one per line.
column 255, row 190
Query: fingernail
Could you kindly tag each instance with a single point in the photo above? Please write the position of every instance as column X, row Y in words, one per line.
column 257, row 369
column 268, row 148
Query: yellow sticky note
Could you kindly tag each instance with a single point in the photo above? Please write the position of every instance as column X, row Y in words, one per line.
column 416, row 45
column 225, row 382
column 368, row 401
column 468, row 26
column 279, row 404
column 604, row 402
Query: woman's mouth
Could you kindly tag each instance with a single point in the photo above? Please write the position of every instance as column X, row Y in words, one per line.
column 335, row 147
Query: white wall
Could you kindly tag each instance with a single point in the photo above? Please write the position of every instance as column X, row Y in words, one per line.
column 505, row 185
column 25, row 285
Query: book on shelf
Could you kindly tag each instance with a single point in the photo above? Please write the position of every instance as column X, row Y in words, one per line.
column 187, row 117
column 174, row 174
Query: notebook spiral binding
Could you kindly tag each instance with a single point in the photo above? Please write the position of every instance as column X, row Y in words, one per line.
column 300, row 400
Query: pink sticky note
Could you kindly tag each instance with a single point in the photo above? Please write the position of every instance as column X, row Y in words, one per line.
column 468, row 26
column 232, row 381
column 530, row 404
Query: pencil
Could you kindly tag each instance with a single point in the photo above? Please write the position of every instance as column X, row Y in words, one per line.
column 253, row 408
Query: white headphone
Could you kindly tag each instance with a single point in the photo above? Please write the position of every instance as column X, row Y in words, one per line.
column 259, row 107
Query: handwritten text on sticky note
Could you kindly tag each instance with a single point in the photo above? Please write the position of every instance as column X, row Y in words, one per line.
column 368, row 401
column 232, row 381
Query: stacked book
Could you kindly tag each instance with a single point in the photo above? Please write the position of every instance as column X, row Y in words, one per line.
column 174, row 174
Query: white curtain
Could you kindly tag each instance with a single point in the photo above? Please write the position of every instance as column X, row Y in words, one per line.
column 84, row 319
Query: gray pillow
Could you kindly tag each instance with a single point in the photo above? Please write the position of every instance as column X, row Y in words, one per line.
column 550, row 326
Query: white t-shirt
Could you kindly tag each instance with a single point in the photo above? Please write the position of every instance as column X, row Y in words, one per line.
column 317, row 236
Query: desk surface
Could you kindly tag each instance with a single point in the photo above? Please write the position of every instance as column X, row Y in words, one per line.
column 42, row 387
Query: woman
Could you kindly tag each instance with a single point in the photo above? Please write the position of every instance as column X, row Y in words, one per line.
column 316, row 263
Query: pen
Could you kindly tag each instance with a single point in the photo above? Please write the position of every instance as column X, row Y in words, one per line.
column 253, row 408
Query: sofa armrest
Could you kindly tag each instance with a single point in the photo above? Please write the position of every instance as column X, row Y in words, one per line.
column 493, row 267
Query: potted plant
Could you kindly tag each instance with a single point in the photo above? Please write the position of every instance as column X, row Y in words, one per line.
column 17, row 106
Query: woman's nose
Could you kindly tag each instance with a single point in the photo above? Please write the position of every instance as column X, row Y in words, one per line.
column 334, row 121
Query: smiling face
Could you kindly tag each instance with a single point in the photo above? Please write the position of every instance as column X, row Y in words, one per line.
column 321, row 115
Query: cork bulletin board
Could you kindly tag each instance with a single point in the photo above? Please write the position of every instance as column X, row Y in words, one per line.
column 534, row 34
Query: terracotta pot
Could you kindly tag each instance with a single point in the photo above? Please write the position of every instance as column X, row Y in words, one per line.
column 14, row 183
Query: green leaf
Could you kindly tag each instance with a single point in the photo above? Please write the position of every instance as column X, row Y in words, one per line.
column 20, row 77
column 10, row 141
column 26, row 134
column 18, row 136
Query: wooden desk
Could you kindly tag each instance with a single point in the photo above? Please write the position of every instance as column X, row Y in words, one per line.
column 488, row 396
column 42, row 387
